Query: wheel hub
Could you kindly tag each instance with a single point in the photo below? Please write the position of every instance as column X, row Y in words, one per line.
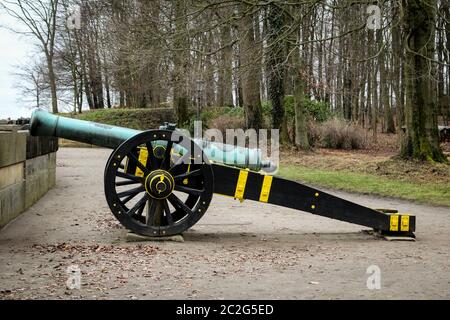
column 158, row 151
column 159, row 184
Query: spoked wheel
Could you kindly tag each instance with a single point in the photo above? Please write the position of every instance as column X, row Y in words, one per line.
column 158, row 183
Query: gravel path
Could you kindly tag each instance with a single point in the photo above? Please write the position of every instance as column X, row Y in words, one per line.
column 249, row 250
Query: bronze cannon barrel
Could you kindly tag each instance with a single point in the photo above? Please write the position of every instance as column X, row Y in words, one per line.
column 44, row 123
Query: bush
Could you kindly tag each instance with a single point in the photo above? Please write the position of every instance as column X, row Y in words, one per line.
column 236, row 111
column 227, row 121
column 313, row 134
column 289, row 106
column 340, row 134
column 318, row 110
column 209, row 114
column 266, row 106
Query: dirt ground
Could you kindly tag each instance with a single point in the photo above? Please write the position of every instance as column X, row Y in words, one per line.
column 237, row 251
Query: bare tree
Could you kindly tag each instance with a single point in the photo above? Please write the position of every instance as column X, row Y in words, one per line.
column 33, row 83
column 40, row 18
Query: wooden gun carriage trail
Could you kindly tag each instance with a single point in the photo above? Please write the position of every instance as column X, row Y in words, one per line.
column 160, row 183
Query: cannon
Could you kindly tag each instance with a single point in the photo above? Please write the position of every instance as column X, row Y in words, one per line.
column 160, row 182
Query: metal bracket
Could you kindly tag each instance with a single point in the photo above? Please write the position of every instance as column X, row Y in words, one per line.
column 168, row 126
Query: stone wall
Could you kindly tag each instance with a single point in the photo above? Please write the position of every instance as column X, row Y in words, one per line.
column 27, row 170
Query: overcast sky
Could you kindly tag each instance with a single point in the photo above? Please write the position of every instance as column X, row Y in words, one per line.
column 14, row 50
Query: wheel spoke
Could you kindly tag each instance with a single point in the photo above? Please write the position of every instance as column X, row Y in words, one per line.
column 151, row 210
column 168, row 213
column 177, row 203
column 131, row 192
column 165, row 163
column 131, row 196
column 129, row 176
column 138, row 205
column 140, row 210
column 186, row 175
column 191, row 191
column 181, row 161
column 125, row 183
column 152, row 162
column 138, row 163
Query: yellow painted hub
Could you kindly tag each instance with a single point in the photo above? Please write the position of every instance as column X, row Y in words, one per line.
column 159, row 184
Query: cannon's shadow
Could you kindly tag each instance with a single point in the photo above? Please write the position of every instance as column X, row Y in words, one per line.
column 280, row 237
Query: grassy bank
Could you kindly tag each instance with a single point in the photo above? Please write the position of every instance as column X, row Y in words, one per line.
column 432, row 192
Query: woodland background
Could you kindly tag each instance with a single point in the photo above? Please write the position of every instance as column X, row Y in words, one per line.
column 317, row 70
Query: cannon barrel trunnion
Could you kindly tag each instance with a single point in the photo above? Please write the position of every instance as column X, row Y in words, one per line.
column 160, row 182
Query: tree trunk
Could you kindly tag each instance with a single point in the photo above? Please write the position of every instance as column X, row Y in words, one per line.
column 374, row 120
column 98, row 83
column 38, row 97
column 80, row 95
column 250, row 74
column 259, row 48
column 368, row 113
column 209, row 76
column 107, row 86
column 446, row 10
column 397, row 81
column 384, row 94
column 347, row 93
column 421, row 139
column 225, row 95
column 275, row 69
column 181, row 60
column 301, row 132
column 338, row 109
column 52, row 80
column 440, row 72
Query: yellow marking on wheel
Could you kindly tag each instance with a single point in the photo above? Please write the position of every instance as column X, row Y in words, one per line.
column 143, row 156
